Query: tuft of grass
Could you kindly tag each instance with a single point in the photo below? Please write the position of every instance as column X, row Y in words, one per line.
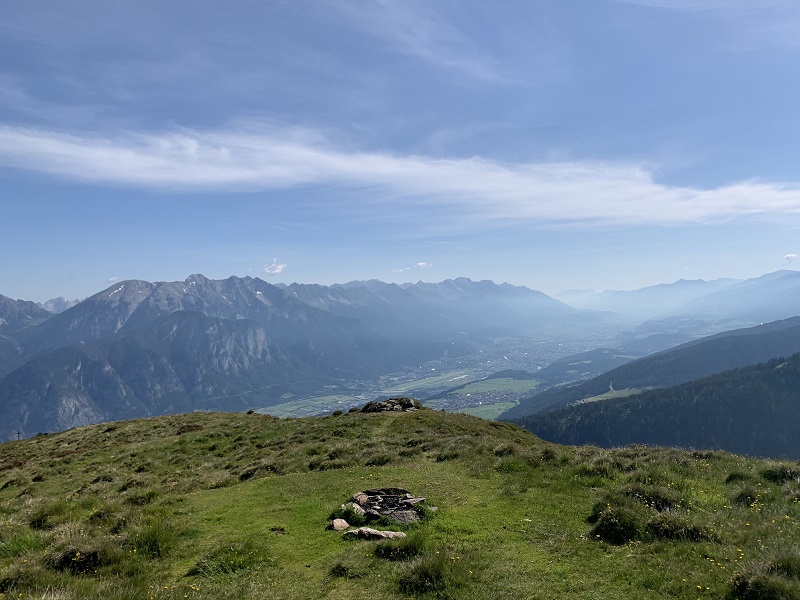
column 19, row 541
column 403, row 549
column 671, row 525
column 439, row 574
column 85, row 558
column 226, row 559
column 143, row 499
column 658, row 498
column 49, row 516
column 154, row 540
column 780, row 473
column 738, row 476
column 618, row 523
column 522, row 512
column 776, row 578
column 344, row 571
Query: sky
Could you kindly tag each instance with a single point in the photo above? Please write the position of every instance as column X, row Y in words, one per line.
column 602, row 144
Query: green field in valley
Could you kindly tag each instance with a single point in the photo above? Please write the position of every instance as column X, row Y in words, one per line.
column 498, row 385
column 489, row 411
column 449, row 379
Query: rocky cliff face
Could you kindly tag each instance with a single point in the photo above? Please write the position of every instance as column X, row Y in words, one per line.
column 182, row 362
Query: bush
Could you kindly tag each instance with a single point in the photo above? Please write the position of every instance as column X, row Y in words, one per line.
column 142, row 499
column 505, row 450
column 447, row 455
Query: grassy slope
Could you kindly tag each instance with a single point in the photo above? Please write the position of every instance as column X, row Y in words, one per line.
column 234, row 506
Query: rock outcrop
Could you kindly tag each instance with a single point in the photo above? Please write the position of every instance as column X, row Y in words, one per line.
column 393, row 405
column 367, row 533
column 395, row 504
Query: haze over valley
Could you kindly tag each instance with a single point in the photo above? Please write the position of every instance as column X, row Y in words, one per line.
column 140, row 349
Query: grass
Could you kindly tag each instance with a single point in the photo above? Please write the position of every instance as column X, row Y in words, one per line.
column 499, row 384
column 307, row 407
column 615, row 394
column 511, row 519
column 489, row 411
column 435, row 381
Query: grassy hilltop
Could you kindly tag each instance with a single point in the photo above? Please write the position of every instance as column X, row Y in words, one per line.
column 235, row 506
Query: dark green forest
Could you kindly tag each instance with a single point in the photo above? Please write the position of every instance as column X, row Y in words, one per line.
column 752, row 410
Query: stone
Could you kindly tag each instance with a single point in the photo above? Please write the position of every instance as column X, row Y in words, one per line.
column 339, row 525
column 367, row 533
column 360, row 498
column 404, row 516
column 356, row 508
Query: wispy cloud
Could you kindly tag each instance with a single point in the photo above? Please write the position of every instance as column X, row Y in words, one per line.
column 476, row 188
column 274, row 268
column 790, row 258
column 701, row 5
column 763, row 23
column 414, row 28
column 419, row 265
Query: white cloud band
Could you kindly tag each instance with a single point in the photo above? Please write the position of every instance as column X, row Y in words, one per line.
column 230, row 161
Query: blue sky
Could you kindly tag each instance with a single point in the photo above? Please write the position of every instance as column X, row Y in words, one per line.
column 582, row 144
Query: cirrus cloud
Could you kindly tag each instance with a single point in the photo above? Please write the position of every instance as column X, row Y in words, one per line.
column 270, row 158
column 419, row 265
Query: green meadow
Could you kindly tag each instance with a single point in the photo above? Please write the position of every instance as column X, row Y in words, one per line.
column 236, row 506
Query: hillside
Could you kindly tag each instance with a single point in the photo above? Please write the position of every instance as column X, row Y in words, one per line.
column 131, row 350
column 210, row 505
column 684, row 363
column 181, row 362
column 754, row 410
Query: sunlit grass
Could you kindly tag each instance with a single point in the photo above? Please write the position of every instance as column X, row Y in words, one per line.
column 213, row 506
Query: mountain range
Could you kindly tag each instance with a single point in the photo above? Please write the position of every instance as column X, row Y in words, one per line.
column 142, row 348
